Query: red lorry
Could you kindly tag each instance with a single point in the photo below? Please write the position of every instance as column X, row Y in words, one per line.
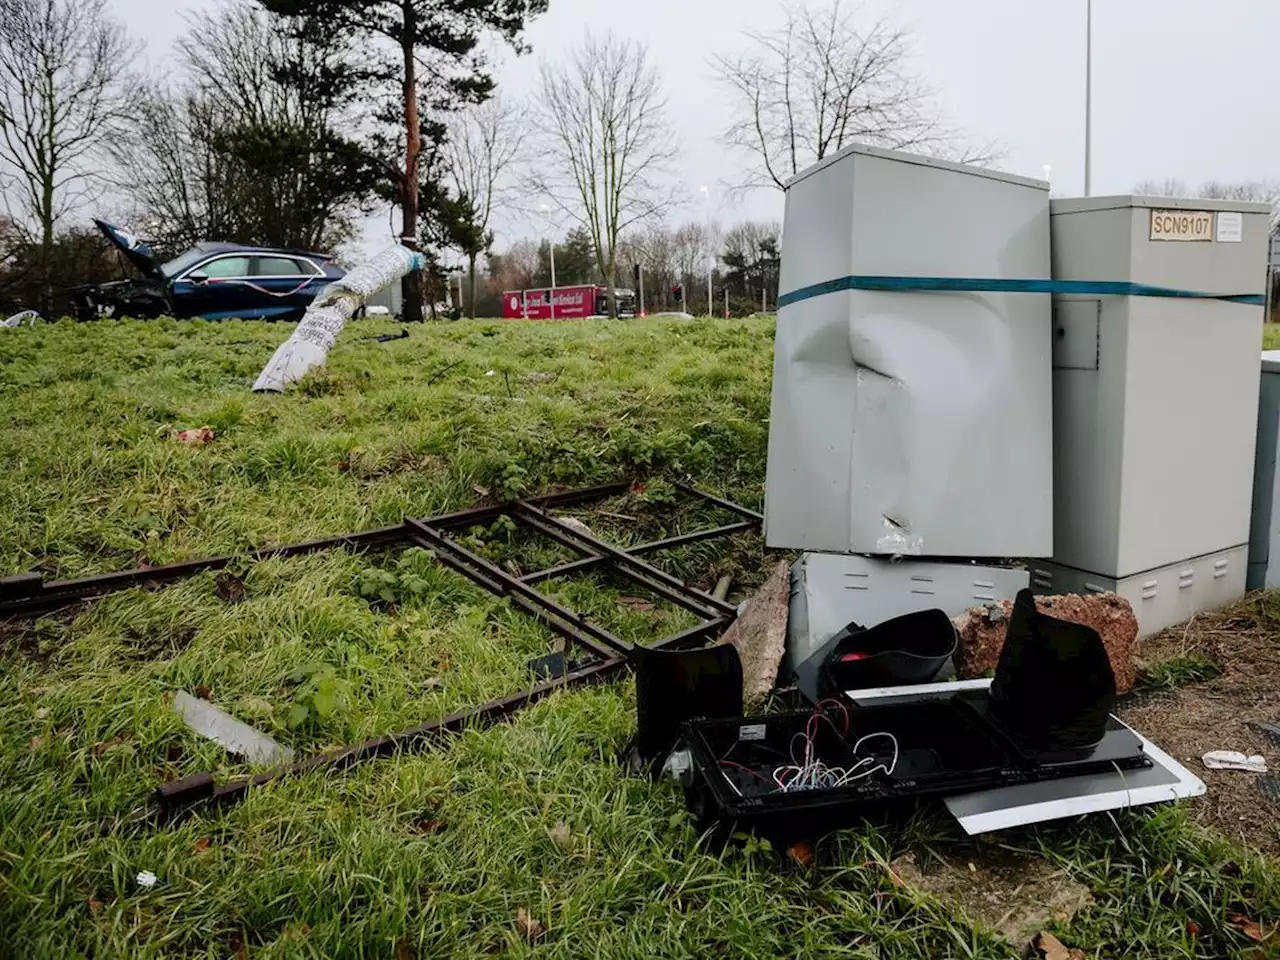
column 571, row 303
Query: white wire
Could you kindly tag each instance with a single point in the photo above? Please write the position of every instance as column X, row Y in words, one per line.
column 814, row 774
column 893, row 766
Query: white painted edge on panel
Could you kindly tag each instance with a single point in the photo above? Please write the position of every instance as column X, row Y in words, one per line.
column 916, row 689
column 1187, row 785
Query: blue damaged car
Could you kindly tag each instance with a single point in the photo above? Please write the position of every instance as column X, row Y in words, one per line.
column 214, row 281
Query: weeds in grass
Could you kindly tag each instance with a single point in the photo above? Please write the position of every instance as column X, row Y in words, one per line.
column 1179, row 671
column 320, row 694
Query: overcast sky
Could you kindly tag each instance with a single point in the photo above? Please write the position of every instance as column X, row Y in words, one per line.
column 1182, row 88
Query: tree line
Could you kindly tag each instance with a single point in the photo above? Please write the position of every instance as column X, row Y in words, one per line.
column 673, row 266
column 288, row 122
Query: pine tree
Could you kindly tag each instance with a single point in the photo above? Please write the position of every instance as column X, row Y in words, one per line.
column 438, row 67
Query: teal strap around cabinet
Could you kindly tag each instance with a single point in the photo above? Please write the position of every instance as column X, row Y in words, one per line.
column 1097, row 288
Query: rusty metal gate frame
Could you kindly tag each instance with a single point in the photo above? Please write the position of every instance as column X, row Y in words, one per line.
column 29, row 594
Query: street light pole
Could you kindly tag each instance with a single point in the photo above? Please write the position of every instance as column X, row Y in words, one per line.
column 706, row 197
column 553, row 278
column 1088, row 100
column 711, row 307
column 546, row 212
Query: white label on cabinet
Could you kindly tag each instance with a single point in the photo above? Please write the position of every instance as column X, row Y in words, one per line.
column 1230, row 227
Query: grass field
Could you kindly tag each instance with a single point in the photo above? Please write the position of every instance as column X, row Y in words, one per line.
column 446, row 853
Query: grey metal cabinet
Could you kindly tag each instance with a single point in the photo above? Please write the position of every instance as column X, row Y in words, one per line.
column 907, row 421
column 1154, row 402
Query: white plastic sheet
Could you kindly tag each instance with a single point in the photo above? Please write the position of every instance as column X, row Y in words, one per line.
column 25, row 318
column 226, row 731
column 1234, row 760
column 310, row 343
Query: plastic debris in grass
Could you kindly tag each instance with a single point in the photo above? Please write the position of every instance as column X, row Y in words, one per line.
column 196, row 437
column 675, row 685
column 576, row 524
column 1234, row 760
column 308, row 346
column 226, row 731
column 27, row 318
column 388, row 337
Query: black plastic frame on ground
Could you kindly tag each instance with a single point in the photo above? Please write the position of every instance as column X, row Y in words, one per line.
column 30, row 594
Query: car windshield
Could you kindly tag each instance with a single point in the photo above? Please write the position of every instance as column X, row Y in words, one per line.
column 183, row 261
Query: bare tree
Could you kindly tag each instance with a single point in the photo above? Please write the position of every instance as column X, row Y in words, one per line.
column 12, row 244
column 608, row 146
column 1256, row 191
column 823, row 81
column 651, row 250
column 250, row 142
column 1168, row 187
column 63, row 92
column 179, row 183
column 696, row 246
column 238, row 55
column 516, row 268
column 482, row 150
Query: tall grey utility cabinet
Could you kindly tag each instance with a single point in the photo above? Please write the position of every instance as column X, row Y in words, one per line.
column 908, row 421
column 1155, row 400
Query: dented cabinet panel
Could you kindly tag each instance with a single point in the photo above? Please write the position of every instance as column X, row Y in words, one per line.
column 907, row 422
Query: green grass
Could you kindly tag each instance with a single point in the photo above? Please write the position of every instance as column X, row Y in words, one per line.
column 1180, row 670
column 1271, row 336
column 429, row 855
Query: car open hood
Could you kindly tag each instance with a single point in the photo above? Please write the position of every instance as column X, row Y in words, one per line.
column 139, row 253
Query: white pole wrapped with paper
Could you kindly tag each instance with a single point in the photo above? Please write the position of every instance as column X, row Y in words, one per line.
column 309, row 344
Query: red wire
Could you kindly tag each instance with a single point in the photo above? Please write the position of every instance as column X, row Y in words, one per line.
column 811, row 728
column 754, row 773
